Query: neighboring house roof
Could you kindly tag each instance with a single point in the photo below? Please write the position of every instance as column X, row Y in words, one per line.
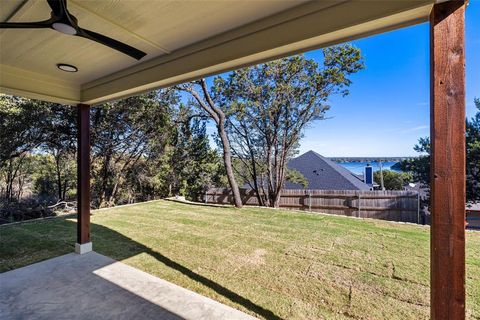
column 418, row 187
column 324, row 174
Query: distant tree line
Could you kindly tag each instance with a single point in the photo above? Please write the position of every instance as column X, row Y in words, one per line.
column 143, row 147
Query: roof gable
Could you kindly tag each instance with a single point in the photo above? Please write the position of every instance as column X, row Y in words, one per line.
column 324, row 174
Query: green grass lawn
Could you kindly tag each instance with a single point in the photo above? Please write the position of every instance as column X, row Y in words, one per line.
column 268, row 263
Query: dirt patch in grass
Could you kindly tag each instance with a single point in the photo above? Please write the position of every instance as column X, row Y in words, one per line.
column 256, row 258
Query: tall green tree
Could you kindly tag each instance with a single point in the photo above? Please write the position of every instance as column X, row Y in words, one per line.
column 473, row 155
column 123, row 132
column 420, row 167
column 203, row 99
column 60, row 142
column 195, row 166
column 143, row 147
column 22, row 130
column 268, row 106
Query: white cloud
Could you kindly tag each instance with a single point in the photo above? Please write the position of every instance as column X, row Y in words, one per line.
column 406, row 130
column 413, row 129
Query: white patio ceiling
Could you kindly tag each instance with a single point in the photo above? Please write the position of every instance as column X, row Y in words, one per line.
column 183, row 40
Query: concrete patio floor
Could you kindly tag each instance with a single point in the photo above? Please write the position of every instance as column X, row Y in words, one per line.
column 93, row 286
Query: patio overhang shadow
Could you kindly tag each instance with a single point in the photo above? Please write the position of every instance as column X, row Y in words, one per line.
column 99, row 276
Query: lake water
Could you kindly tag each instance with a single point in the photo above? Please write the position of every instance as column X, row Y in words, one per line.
column 358, row 167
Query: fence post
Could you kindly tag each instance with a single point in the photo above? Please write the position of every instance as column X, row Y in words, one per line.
column 206, row 196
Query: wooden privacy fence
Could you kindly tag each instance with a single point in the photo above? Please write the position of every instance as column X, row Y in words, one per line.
column 386, row 205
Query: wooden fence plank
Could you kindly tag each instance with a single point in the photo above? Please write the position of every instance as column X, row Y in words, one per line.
column 388, row 205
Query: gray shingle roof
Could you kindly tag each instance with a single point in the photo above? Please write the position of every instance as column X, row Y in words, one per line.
column 324, row 174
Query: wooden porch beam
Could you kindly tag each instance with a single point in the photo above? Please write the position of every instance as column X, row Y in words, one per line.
column 447, row 57
column 83, row 179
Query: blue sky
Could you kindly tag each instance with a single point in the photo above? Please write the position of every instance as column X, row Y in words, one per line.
column 388, row 106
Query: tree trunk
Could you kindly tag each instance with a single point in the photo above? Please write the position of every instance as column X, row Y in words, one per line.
column 276, row 202
column 11, row 175
column 64, row 190
column 254, row 174
column 113, row 194
column 219, row 117
column 227, row 159
column 9, row 182
column 21, row 181
column 59, row 177
column 105, row 177
column 260, row 199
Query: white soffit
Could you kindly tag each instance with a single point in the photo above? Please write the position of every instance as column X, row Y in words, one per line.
column 184, row 40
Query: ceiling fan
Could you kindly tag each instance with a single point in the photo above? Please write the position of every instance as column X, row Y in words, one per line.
column 63, row 21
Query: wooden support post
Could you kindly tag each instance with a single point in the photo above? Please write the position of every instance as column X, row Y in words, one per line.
column 447, row 50
column 83, row 179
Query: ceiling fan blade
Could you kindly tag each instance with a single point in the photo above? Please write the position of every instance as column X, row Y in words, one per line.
column 25, row 25
column 112, row 43
column 59, row 7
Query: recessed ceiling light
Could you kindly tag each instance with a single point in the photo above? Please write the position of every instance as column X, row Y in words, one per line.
column 67, row 67
column 64, row 28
